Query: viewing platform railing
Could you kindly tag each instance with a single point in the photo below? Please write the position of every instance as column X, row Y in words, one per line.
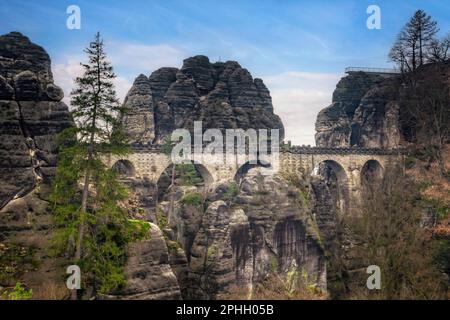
column 372, row 70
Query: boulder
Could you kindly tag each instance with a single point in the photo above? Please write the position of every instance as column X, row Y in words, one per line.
column 27, row 86
column 241, row 241
column 18, row 54
column 31, row 117
column 54, row 93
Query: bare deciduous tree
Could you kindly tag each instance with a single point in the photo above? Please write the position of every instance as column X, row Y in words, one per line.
column 426, row 110
column 388, row 233
column 410, row 50
column 439, row 50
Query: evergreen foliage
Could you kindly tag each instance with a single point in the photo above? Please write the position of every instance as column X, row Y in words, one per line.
column 92, row 228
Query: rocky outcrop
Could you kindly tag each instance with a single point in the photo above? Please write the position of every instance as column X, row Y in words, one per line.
column 148, row 273
column 364, row 113
column 139, row 120
column 234, row 241
column 222, row 95
column 203, row 248
column 31, row 116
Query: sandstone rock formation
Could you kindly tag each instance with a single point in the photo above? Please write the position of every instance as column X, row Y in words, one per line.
column 364, row 113
column 148, row 272
column 233, row 242
column 222, row 95
column 205, row 249
column 139, row 120
column 31, row 116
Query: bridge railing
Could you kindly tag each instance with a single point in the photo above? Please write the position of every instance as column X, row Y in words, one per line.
column 344, row 151
column 300, row 150
column 372, row 70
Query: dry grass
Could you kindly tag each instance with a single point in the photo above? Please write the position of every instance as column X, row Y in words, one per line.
column 51, row 291
column 442, row 229
column 274, row 288
column 440, row 187
column 435, row 188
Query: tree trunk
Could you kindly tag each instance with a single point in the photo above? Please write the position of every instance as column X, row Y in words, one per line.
column 420, row 48
column 172, row 195
column 441, row 161
column 79, row 247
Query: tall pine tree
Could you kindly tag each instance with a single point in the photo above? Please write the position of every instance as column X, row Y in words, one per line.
column 92, row 227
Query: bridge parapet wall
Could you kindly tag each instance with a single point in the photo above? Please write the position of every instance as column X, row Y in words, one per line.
column 343, row 151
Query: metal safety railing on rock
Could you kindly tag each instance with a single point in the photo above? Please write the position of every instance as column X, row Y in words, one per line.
column 372, row 70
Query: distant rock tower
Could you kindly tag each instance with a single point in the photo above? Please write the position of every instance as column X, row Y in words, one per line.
column 139, row 120
column 223, row 95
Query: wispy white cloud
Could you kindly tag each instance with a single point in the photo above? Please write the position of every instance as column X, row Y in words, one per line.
column 141, row 58
column 65, row 73
column 297, row 99
column 129, row 60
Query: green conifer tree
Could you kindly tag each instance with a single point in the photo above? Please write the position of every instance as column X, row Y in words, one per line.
column 92, row 228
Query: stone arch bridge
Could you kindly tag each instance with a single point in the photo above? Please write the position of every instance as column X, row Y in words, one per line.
column 349, row 164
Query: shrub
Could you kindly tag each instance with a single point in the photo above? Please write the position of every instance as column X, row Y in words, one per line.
column 277, row 287
column 193, row 198
column 387, row 233
column 231, row 192
column 172, row 246
column 161, row 219
column 15, row 259
column 189, row 175
column 141, row 229
column 19, row 293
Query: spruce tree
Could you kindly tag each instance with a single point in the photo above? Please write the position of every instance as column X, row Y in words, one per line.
column 93, row 228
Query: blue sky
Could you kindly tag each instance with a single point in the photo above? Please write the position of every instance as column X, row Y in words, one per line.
column 299, row 48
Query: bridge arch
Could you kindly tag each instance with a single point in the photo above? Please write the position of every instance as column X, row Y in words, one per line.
column 371, row 172
column 202, row 170
column 337, row 178
column 124, row 168
column 247, row 166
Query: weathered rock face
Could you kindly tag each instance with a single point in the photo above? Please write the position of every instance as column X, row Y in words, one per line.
column 139, row 120
column 234, row 242
column 148, row 272
column 222, row 95
column 31, row 116
column 18, row 54
column 364, row 113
